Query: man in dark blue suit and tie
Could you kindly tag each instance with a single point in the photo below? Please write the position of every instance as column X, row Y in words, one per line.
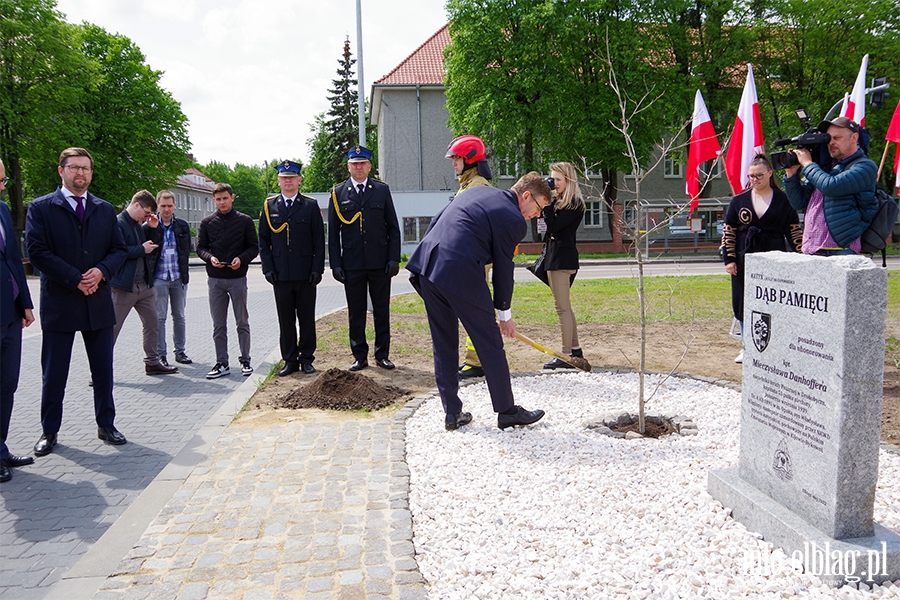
column 74, row 240
column 482, row 225
column 15, row 314
column 364, row 253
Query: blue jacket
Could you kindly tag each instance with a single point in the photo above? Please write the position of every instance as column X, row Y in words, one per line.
column 10, row 268
column 849, row 191
column 482, row 225
column 62, row 248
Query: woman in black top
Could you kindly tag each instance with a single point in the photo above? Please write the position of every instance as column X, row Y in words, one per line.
column 563, row 216
column 758, row 219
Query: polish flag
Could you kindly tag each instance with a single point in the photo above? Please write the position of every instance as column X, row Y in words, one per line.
column 703, row 146
column 747, row 137
column 854, row 107
column 893, row 135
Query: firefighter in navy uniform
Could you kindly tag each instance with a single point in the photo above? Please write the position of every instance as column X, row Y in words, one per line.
column 364, row 251
column 292, row 251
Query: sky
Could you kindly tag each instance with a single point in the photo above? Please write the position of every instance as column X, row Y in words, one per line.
column 251, row 75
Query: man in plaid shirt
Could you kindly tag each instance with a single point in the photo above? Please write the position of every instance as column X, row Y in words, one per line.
column 172, row 275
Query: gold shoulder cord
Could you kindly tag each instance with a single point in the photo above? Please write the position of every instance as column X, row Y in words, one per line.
column 337, row 209
column 271, row 227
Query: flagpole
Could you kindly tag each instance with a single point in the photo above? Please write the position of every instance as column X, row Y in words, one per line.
column 887, row 147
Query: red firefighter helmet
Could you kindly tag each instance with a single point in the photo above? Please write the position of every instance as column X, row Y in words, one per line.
column 468, row 147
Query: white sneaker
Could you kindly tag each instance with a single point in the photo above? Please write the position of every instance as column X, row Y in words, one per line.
column 246, row 369
column 217, row 371
column 739, row 358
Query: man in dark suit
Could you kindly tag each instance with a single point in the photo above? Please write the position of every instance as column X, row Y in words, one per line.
column 74, row 241
column 292, row 251
column 482, row 225
column 15, row 314
column 132, row 287
column 364, row 250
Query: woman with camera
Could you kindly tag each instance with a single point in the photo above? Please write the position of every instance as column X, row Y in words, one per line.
column 562, row 217
column 758, row 219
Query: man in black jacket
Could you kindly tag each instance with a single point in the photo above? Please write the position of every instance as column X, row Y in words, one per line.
column 172, row 275
column 132, row 287
column 227, row 243
column 364, row 250
column 292, row 251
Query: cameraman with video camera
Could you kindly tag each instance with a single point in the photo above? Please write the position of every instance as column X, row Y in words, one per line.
column 839, row 202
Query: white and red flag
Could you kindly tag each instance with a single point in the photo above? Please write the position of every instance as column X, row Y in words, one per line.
column 893, row 135
column 747, row 137
column 703, row 146
column 854, row 106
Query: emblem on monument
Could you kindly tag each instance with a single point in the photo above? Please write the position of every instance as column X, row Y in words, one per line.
column 760, row 329
column 781, row 462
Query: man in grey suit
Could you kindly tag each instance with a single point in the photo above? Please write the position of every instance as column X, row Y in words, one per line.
column 482, row 225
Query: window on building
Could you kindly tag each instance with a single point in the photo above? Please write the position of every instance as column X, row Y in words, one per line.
column 593, row 214
column 414, row 228
column 672, row 168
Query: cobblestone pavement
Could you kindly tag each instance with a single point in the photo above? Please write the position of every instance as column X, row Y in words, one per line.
column 301, row 509
column 54, row 512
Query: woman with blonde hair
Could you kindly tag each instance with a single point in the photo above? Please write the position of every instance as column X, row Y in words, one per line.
column 563, row 216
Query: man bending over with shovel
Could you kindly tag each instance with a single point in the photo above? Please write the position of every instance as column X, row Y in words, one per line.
column 480, row 226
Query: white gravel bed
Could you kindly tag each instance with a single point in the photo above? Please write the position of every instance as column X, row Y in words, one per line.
column 556, row 511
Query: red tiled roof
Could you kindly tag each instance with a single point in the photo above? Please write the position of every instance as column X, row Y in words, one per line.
column 193, row 178
column 425, row 65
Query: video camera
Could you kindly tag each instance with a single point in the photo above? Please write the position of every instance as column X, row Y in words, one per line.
column 812, row 140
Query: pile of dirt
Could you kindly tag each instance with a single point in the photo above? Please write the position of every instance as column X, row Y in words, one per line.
column 336, row 389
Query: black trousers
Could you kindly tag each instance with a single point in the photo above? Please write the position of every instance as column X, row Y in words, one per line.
column 295, row 303
column 56, row 356
column 10, row 361
column 377, row 285
column 476, row 312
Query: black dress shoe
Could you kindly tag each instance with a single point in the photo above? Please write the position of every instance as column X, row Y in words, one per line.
column 558, row 364
column 5, row 471
column 111, row 435
column 384, row 363
column 183, row 358
column 158, row 368
column 288, row 368
column 307, row 368
column 45, row 445
column 19, row 461
column 359, row 365
column 455, row 421
column 521, row 417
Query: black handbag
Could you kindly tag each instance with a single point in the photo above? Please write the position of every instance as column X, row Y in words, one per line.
column 539, row 268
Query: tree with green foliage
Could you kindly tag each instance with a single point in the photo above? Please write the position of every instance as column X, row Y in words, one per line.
column 248, row 182
column 336, row 131
column 138, row 133
column 77, row 85
column 42, row 76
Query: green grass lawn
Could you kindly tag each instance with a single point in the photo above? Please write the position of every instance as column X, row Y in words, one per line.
column 616, row 300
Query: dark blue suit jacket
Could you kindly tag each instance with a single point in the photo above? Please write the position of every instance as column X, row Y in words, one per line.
column 63, row 248
column 482, row 225
column 11, row 267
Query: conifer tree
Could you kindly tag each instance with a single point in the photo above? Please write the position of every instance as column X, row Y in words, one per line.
column 335, row 131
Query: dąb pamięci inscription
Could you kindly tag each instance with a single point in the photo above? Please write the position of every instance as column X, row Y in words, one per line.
column 811, row 401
